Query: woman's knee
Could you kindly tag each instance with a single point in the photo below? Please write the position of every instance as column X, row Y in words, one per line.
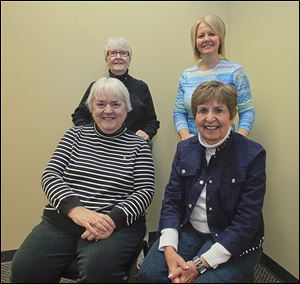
column 101, row 271
column 145, row 276
column 30, row 270
column 19, row 270
column 154, row 268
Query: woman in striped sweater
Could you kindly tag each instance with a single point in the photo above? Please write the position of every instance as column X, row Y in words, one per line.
column 98, row 183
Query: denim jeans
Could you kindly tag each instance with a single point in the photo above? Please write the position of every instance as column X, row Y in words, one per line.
column 192, row 243
column 48, row 250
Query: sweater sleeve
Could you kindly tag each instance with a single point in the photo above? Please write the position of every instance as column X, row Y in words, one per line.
column 58, row 193
column 246, row 108
column 151, row 122
column 169, row 237
column 82, row 114
column 216, row 255
column 180, row 112
column 137, row 202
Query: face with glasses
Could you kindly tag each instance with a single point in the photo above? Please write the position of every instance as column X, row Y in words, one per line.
column 117, row 60
column 109, row 112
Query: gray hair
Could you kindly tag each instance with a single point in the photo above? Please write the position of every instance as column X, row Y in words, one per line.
column 111, row 86
column 117, row 42
column 215, row 90
column 217, row 25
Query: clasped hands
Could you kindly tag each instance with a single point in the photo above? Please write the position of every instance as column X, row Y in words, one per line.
column 180, row 271
column 98, row 226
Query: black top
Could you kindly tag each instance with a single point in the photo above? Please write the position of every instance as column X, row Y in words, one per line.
column 141, row 117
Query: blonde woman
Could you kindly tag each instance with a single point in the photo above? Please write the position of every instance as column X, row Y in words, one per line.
column 208, row 42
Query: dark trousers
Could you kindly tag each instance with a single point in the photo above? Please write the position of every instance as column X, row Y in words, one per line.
column 48, row 250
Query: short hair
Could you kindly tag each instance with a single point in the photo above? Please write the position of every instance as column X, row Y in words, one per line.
column 217, row 25
column 111, row 86
column 117, row 42
column 208, row 91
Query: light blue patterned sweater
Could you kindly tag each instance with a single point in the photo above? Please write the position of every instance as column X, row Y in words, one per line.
column 226, row 72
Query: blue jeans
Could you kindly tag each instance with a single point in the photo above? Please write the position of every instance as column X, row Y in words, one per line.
column 48, row 250
column 192, row 243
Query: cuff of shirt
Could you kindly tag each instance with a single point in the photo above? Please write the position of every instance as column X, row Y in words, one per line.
column 68, row 204
column 169, row 237
column 216, row 255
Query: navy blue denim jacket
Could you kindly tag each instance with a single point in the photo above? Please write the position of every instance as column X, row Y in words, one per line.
column 236, row 183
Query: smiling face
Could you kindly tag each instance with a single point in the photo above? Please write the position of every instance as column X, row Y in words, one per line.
column 117, row 60
column 213, row 121
column 109, row 112
column 207, row 41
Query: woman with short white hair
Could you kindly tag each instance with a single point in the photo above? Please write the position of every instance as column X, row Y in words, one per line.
column 142, row 119
column 98, row 182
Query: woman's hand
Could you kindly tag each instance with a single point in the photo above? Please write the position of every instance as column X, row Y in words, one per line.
column 189, row 275
column 175, row 263
column 184, row 134
column 100, row 235
column 244, row 132
column 98, row 225
column 186, row 275
column 142, row 134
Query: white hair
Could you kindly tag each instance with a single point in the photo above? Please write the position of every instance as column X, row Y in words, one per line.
column 117, row 42
column 111, row 86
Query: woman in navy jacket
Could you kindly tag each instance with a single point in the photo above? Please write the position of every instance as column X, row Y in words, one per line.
column 211, row 224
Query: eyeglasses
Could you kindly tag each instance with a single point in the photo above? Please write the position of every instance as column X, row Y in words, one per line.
column 114, row 53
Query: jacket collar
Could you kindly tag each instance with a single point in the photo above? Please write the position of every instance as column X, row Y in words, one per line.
column 195, row 141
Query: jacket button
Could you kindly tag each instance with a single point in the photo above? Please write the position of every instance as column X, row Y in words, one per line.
column 190, row 205
column 201, row 182
column 233, row 180
column 183, row 171
column 210, row 181
column 210, row 208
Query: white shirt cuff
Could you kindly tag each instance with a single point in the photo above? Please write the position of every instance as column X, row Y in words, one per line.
column 216, row 255
column 169, row 237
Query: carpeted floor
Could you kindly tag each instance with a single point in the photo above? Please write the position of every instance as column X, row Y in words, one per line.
column 261, row 275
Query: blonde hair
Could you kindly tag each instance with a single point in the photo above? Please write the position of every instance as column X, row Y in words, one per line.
column 217, row 25
column 215, row 90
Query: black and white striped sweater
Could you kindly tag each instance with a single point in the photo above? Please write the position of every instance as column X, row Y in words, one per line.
column 111, row 174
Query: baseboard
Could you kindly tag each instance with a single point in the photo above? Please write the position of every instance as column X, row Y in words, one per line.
column 277, row 269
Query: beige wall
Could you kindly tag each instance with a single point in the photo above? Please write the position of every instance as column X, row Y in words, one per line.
column 52, row 51
column 265, row 40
